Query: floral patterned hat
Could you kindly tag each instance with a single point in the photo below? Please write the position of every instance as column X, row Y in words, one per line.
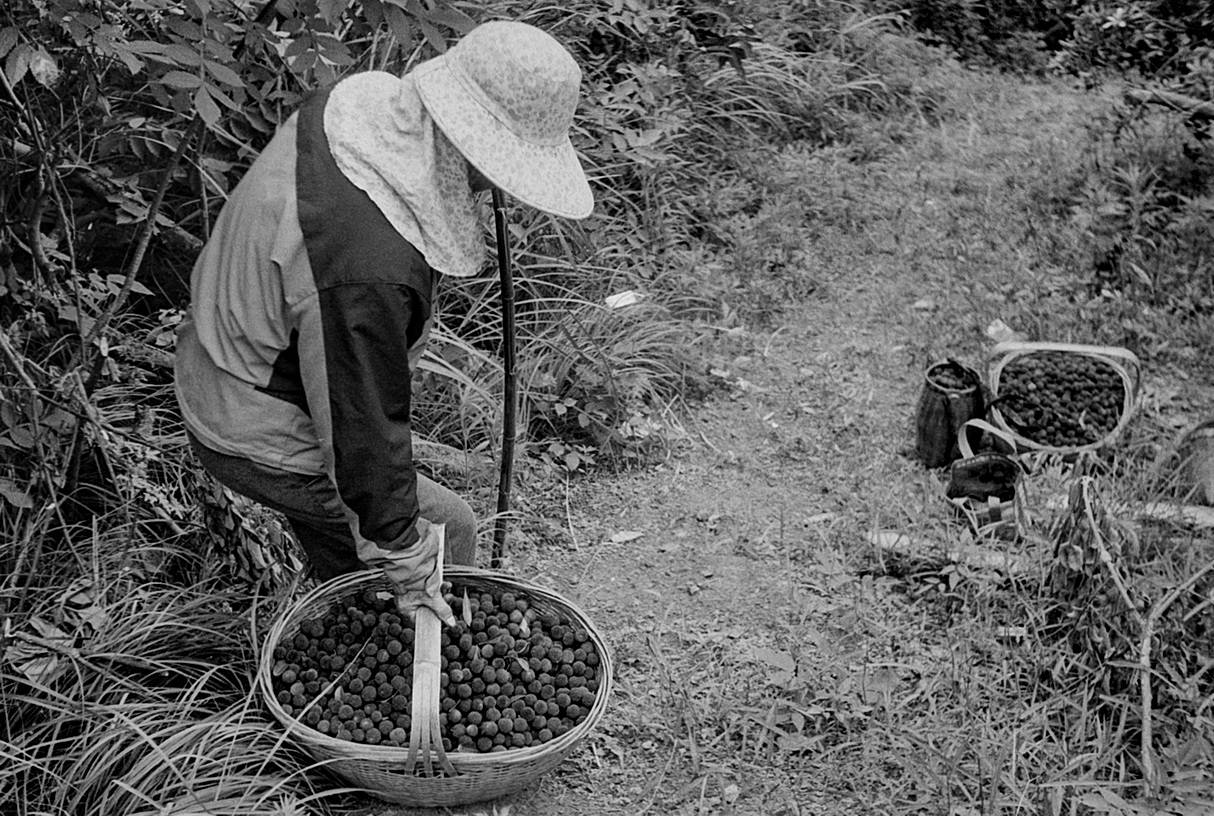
column 504, row 95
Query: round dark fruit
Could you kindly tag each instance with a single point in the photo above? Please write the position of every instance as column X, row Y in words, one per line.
column 514, row 677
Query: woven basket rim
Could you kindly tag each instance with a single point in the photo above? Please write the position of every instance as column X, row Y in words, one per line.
column 1015, row 351
column 927, row 377
column 321, row 596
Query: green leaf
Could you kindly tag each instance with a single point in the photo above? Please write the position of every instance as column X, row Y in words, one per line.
column 398, row 24
column 224, row 74
column 44, row 69
column 186, row 29
column 373, row 10
column 223, row 99
column 15, row 496
column 8, row 38
column 297, row 47
column 17, row 63
column 330, row 10
column 180, row 79
column 148, row 48
column 20, row 437
column 452, row 18
column 206, row 107
column 182, row 54
column 433, row 36
column 133, row 64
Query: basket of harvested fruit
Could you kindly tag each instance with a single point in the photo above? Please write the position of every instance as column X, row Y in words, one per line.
column 493, row 702
column 1063, row 398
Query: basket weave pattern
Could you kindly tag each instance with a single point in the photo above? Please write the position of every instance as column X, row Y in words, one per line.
column 381, row 769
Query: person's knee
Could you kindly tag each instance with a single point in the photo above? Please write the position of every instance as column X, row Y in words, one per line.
column 441, row 505
column 461, row 534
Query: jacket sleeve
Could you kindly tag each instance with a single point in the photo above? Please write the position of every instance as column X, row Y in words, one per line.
column 354, row 343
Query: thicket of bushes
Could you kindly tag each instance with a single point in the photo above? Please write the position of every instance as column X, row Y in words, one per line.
column 1157, row 38
column 1145, row 198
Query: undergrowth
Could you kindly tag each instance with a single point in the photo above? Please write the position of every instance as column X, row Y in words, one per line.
column 129, row 634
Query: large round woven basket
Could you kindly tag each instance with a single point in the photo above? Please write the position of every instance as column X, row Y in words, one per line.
column 1124, row 362
column 383, row 770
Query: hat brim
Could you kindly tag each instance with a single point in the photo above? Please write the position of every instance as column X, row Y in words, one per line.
column 547, row 177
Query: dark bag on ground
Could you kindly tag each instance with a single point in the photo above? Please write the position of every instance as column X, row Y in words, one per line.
column 951, row 396
column 982, row 486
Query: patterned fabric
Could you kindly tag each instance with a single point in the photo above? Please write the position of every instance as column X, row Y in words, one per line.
column 505, row 96
column 385, row 143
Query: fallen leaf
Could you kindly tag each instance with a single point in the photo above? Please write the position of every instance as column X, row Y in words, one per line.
column 622, row 299
column 624, row 536
column 783, row 666
column 798, row 742
column 43, row 68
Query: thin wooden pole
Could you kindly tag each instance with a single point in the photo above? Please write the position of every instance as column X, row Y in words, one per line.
column 510, row 398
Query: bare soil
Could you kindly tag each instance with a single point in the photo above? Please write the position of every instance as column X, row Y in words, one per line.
column 766, row 662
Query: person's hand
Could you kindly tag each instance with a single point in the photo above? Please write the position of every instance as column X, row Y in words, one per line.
column 414, row 574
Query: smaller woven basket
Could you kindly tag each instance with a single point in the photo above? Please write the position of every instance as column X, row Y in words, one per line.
column 384, row 771
column 1121, row 360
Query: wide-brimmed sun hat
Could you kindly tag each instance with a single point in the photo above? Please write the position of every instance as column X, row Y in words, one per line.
column 504, row 95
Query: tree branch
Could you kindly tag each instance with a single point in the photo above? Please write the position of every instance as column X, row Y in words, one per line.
column 1150, row 771
column 1197, row 108
column 174, row 237
column 145, row 237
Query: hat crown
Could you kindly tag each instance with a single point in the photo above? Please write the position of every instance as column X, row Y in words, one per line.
column 522, row 76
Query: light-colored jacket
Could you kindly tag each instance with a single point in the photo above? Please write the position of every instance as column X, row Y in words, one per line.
column 308, row 313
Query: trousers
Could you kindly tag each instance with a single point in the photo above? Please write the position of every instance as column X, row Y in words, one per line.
column 317, row 517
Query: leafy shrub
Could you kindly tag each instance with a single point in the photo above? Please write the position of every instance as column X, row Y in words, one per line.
column 1155, row 38
column 1143, row 204
column 1010, row 34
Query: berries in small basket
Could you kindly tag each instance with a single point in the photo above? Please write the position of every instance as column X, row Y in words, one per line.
column 513, row 675
column 1061, row 399
column 952, row 376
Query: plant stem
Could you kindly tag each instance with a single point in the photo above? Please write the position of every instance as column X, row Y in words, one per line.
column 510, row 398
column 1150, row 773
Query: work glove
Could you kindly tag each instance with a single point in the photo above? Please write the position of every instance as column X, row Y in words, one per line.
column 414, row 573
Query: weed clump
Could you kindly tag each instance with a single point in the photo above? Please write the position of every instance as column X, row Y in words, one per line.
column 513, row 676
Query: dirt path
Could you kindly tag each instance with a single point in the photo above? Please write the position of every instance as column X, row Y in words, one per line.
column 760, row 668
column 752, row 531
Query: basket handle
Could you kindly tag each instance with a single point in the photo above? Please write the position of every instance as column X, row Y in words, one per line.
column 424, row 734
column 963, row 441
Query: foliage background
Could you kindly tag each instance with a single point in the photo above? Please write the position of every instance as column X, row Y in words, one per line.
column 124, row 126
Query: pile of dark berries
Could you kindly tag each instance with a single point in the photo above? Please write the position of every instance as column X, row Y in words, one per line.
column 1061, row 399
column 513, row 675
column 951, row 376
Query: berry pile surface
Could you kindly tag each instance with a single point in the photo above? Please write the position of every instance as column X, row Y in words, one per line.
column 1059, row 399
column 951, row 377
column 513, row 675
